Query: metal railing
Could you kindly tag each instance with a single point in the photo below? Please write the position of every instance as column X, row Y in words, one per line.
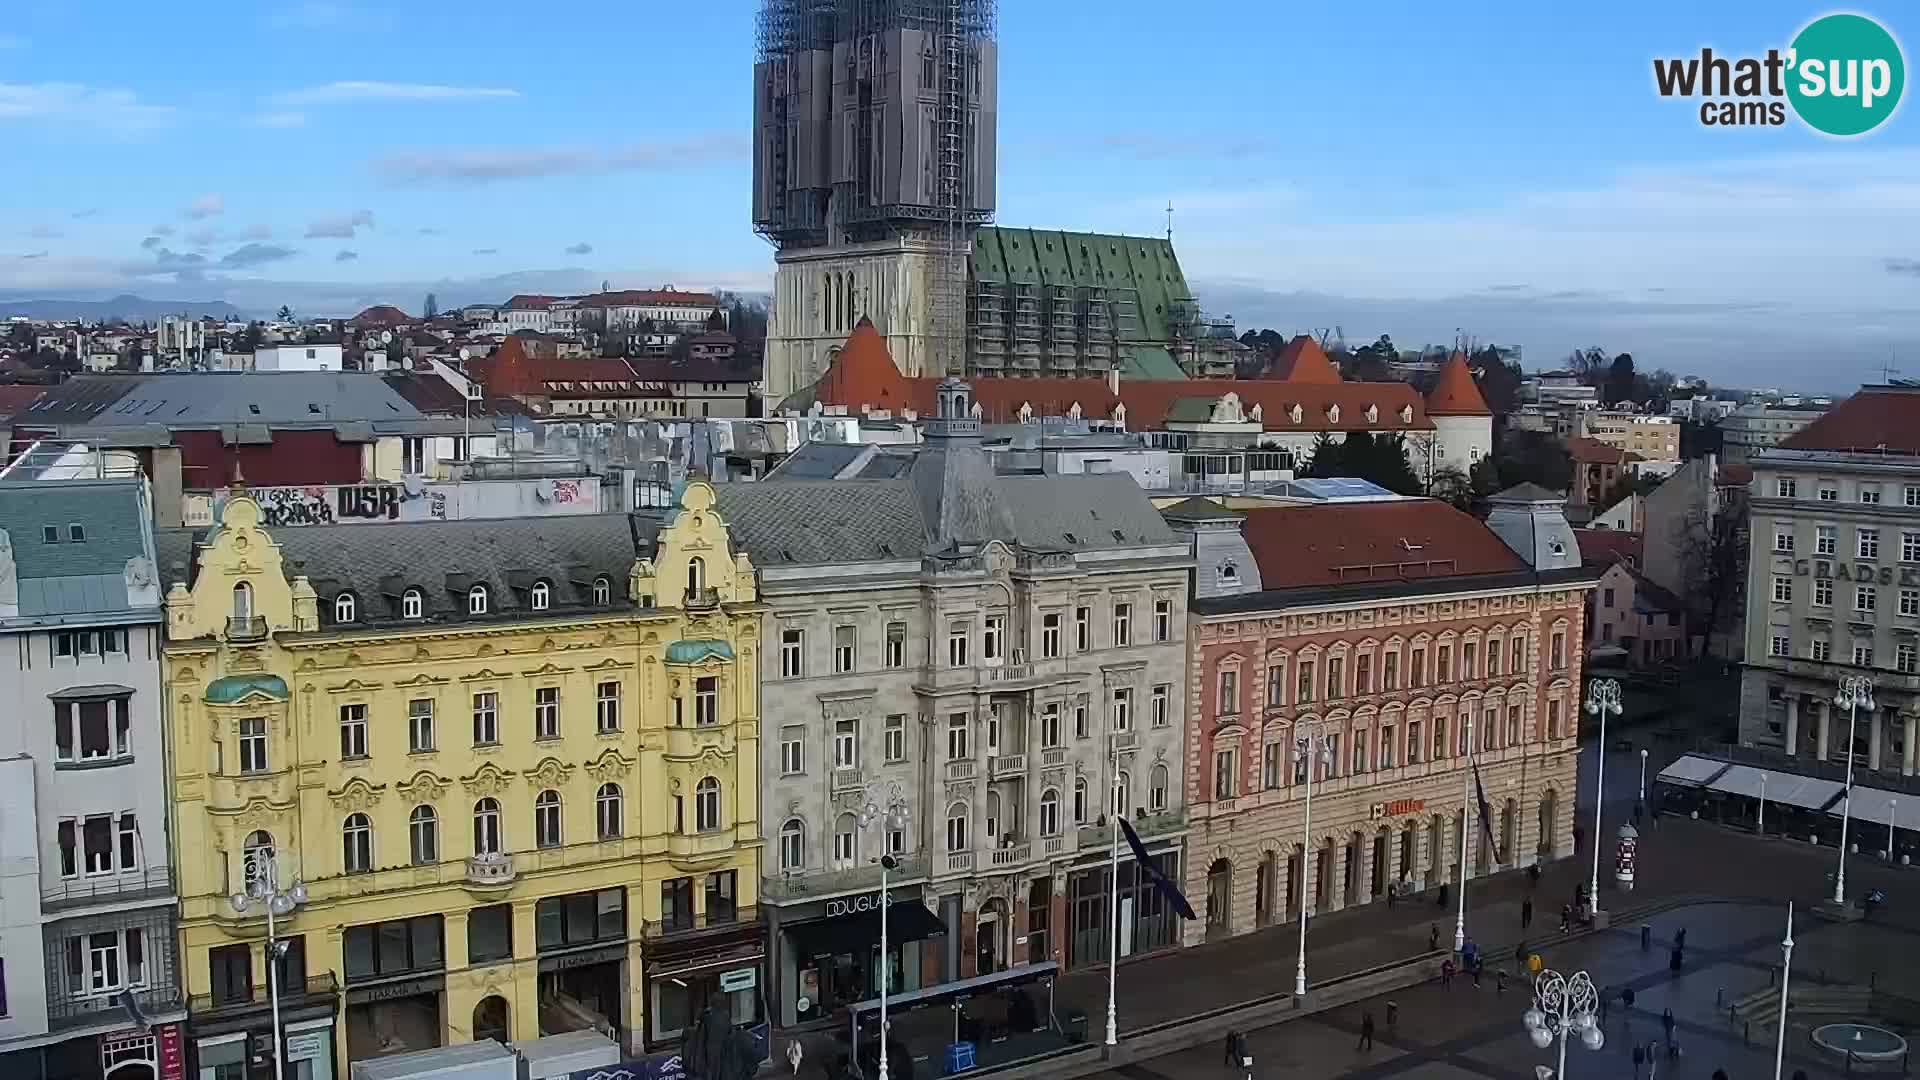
column 704, row 597
column 1006, row 765
column 1012, row 855
column 257, row 996
column 246, row 627
column 706, row 922
column 851, row 879
column 74, row 1010
column 152, row 882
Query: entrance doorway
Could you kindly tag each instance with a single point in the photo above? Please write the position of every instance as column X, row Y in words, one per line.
column 987, row 954
column 1350, row 888
column 1436, row 849
column 1547, row 813
column 1509, row 833
column 1263, row 885
column 1219, row 898
column 1380, row 878
column 1409, row 840
column 1296, row 865
column 490, row 1019
column 1039, row 912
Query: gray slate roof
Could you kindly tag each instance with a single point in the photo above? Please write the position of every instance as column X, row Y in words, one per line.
column 204, row 398
column 378, row 562
column 69, row 577
column 1527, row 492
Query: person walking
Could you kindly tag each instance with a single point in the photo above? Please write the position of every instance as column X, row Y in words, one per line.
column 1500, row 983
column 1236, row 1050
column 1526, row 914
column 1680, row 939
column 1446, row 974
column 1366, row 1031
column 1433, row 938
column 1393, row 1015
column 1666, row 1025
column 1477, row 967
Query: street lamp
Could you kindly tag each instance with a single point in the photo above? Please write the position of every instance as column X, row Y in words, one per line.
column 1113, row 893
column 1309, row 749
column 1466, row 814
column 1603, row 699
column 1643, row 775
column 1855, row 691
column 1562, row 1005
column 1786, row 968
column 262, row 887
column 892, row 812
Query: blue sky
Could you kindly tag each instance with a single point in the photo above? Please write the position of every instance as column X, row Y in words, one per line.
column 1405, row 168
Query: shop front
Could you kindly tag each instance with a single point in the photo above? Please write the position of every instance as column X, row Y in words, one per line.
column 1147, row 921
column 688, row 971
column 231, row 1028
column 396, row 986
column 581, row 940
column 827, row 954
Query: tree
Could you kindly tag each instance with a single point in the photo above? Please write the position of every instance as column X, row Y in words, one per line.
column 1499, row 380
column 431, row 307
column 1619, row 385
column 285, row 314
column 1380, row 458
column 1713, row 556
column 1532, row 457
column 1589, row 365
column 1453, row 486
column 253, row 336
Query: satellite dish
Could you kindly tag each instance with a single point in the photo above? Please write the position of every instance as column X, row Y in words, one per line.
column 386, row 336
column 464, row 355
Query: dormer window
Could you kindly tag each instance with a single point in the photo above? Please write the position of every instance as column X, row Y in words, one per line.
column 1228, row 573
column 602, row 591
column 344, row 608
column 78, row 535
column 477, row 600
column 541, row 596
column 412, row 604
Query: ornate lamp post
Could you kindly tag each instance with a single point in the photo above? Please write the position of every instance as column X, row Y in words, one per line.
column 1466, row 816
column 262, row 887
column 1856, row 691
column 1562, row 1005
column 1309, row 749
column 1786, row 969
column 1603, row 699
column 891, row 810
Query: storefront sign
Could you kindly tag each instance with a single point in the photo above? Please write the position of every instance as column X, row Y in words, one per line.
column 1398, row 807
column 657, row 1067
column 173, row 1058
column 853, row 905
column 389, row 991
column 306, row 1045
column 606, row 954
column 738, row 979
column 1839, row 571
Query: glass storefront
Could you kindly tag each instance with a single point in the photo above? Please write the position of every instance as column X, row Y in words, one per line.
column 827, row 963
column 581, row 942
column 680, row 997
column 1147, row 921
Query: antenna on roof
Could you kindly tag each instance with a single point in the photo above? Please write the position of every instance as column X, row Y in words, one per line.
column 1169, row 221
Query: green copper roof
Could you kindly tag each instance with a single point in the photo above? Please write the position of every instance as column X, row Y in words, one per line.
column 231, row 688
column 1052, row 257
column 698, row 649
column 1149, row 362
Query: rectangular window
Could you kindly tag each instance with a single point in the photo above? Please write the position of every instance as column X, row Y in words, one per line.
column 843, row 649
column 1558, row 653
column 379, row 950
column 1553, row 719
column 1162, row 695
column 1783, row 538
column 1277, row 682
column 957, row 736
column 353, row 732
column 1826, row 540
column 1869, row 543
column 1081, row 727
column 1865, row 598
column 1359, row 763
column 957, row 645
column 792, row 653
column 1083, row 629
column 1911, row 494
column 1390, row 670
column 1123, row 708
column 420, row 725
column 1385, row 755
column 1784, row 487
column 1910, row 602
column 1903, row 658
column 1273, row 764
column 1820, row 649
column 1336, row 677
column 606, row 708
column 1443, row 665
column 1363, row 674
column 992, row 638
column 1519, row 656
column 253, row 744
column 846, row 744
column 1229, row 698
column 1863, row 656
column 1417, row 669
column 1870, row 493
column 1909, row 546
column 896, row 737
column 490, row 933
column 896, row 644
column 1223, row 778
column 1050, row 725
column 792, row 752
column 1513, row 725
column 1050, row 635
column 1467, row 659
column 706, row 700
column 1332, row 769
column 1829, row 493
column 1822, row 592
column 1782, row 589
column 1780, row 645
column 1163, row 619
column 486, row 718
column 96, row 840
column 546, row 712
column 1493, row 659
column 1413, row 742
column 1303, row 686
column 1122, row 625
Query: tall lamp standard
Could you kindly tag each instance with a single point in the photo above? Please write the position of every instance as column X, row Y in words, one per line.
column 1603, row 699
column 1466, row 815
column 263, row 888
column 1562, row 1005
column 1856, row 691
column 1309, row 749
column 1786, row 969
column 1113, row 894
column 891, row 810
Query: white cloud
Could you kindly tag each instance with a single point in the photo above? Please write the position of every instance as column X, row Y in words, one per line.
column 341, row 226
column 356, row 92
column 76, row 104
column 281, row 119
column 480, row 166
column 212, row 204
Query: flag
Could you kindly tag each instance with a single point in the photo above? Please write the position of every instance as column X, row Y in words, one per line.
column 1486, row 817
column 1166, row 888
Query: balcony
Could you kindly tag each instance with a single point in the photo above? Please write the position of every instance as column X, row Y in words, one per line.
column 314, row 990
column 699, row 846
column 246, row 627
column 1149, row 827
column 1053, row 845
column 1012, row 854
column 703, row 597
column 1004, row 765
column 845, row 780
column 67, row 1011
column 1125, row 740
column 694, row 927
column 152, row 883
column 1053, row 756
column 490, row 871
column 962, row 769
column 833, row 883
column 1831, row 672
column 959, row 862
column 1006, row 673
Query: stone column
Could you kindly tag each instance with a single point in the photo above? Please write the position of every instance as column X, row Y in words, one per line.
column 1826, row 722
column 1873, row 739
column 1906, row 744
column 1793, row 725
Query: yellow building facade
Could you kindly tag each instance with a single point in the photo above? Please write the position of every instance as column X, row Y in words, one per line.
column 508, row 769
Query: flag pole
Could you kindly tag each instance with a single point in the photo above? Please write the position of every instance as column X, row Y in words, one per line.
column 1466, row 814
column 1113, row 894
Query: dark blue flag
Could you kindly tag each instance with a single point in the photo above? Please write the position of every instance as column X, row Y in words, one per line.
column 1486, row 817
column 1166, row 888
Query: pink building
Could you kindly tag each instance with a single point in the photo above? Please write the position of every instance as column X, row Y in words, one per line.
column 1634, row 620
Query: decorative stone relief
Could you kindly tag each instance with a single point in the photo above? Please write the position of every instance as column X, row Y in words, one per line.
column 609, row 766
column 424, row 787
column 488, row 779
column 549, row 773
column 357, row 795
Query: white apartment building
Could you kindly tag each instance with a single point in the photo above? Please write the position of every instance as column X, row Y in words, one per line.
column 1750, row 429
column 1653, row 437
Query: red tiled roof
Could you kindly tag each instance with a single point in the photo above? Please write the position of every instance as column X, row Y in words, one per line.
column 1608, row 545
column 1456, row 393
column 15, row 397
column 1589, row 451
column 863, row 375
column 1734, row 476
column 515, row 371
column 638, row 297
column 1302, row 360
column 1351, row 543
column 1878, row 418
column 381, row 315
column 531, row 301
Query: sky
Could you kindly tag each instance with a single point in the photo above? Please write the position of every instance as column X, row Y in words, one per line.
column 1504, row 171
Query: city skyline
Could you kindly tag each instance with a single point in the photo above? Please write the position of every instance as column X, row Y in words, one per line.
column 1467, row 171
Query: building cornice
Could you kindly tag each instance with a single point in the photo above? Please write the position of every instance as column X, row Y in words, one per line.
column 1373, row 593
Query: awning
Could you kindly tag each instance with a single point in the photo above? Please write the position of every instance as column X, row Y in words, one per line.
column 1808, row 792
column 907, row 920
column 1691, row 771
column 963, row 988
column 1876, row 806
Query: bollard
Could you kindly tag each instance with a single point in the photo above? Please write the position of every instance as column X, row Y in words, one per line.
column 1720, row 996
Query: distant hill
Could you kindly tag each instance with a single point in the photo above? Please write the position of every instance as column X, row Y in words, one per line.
column 130, row 308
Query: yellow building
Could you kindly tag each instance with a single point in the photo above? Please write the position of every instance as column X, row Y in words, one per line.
column 512, row 764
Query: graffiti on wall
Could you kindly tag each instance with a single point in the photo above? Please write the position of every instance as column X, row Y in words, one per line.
column 295, row 506
column 282, row 507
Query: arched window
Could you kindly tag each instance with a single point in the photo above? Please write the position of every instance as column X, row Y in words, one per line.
column 486, row 827
column 1157, row 789
column 541, row 595
column 1080, row 800
column 546, row 819
column 356, row 835
column 477, row 600
column 423, row 836
column 243, row 601
column 490, row 1019
column 846, row 841
column 1050, row 812
column 413, row 604
column 602, row 591
column 1122, row 793
column 256, row 853
column 706, row 804
column 793, row 845
column 606, row 810
column 957, row 827
column 696, row 575
column 344, row 608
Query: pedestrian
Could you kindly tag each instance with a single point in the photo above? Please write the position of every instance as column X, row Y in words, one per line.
column 1666, row 1023
column 1520, row 957
column 1500, row 982
column 1476, row 974
column 1680, row 939
column 1231, row 1054
column 1366, row 1031
column 1393, row 1015
column 1674, row 963
column 1566, row 918
column 1393, row 894
column 1441, row 901
column 1639, row 1055
column 1526, row 913
column 1626, row 996
column 1533, row 874
column 1719, row 1074
column 1604, row 995
column 1646, row 936
column 1446, row 973
column 1433, row 937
